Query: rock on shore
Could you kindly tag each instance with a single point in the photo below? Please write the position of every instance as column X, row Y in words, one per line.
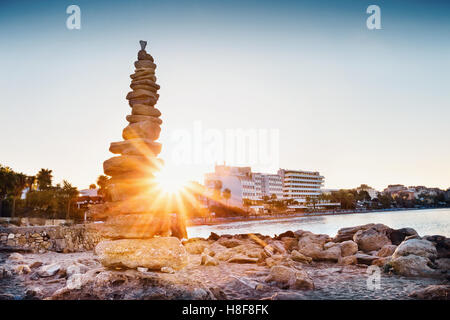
column 154, row 253
column 294, row 265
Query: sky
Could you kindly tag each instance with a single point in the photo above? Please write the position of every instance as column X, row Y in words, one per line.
column 357, row 105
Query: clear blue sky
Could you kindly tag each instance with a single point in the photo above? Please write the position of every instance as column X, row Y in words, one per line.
column 359, row 106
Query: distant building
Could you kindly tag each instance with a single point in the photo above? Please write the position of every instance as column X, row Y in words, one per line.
column 328, row 191
column 87, row 197
column 413, row 192
column 299, row 184
column 237, row 179
column 88, row 193
column 245, row 184
column 394, row 188
column 447, row 195
column 410, row 194
column 268, row 185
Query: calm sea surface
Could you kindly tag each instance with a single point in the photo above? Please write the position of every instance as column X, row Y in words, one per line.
column 425, row 222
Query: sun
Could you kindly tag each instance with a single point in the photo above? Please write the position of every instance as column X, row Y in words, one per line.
column 169, row 182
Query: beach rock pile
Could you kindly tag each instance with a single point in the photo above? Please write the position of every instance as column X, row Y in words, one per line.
column 294, row 265
column 371, row 244
column 133, row 214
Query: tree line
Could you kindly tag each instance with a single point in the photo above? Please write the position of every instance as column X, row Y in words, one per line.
column 42, row 199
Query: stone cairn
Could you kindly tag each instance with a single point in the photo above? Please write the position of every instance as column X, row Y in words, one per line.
column 140, row 232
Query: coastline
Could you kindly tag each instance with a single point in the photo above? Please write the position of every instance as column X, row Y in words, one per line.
column 298, row 265
column 225, row 220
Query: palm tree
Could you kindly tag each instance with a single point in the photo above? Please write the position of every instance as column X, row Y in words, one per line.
column 44, row 179
column 20, row 182
column 226, row 194
column 70, row 193
column 6, row 183
column 216, row 190
column 102, row 182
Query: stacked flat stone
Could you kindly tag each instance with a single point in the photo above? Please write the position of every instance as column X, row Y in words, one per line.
column 133, row 210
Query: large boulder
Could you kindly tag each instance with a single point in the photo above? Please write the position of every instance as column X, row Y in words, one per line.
column 382, row 261
column 348, row 248
column 316, row 252
column 330, row 254
column 345, row 234
column 286, row 234
column 278, row 245
column 290, row 244
column 154, row 253
column 312, row 245
column 297, row 256
column 433, row 292
column 442, row 245
column 309, row 237
column 244, row 253
column 196, row 245
column 349, row 260
column 373, row 238
column 413, row 257
column 418, row 247
column 365, row 258
column 310, row 249
column 397, row 236
column 412, row 266
column 387, row 250
column 285, row 277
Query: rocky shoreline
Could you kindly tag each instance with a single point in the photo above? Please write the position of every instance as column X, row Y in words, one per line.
column 293, row 265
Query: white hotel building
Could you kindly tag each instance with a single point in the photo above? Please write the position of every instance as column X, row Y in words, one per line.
column 300, row 184
column 245, row 184
column 237, row 179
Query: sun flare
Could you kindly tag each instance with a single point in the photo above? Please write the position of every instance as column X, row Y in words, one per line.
column 169, row 182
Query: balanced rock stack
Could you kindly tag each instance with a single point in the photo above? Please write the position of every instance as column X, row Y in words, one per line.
column 142, row 234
